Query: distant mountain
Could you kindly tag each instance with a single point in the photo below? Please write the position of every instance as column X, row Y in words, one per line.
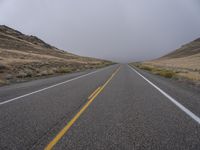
column 23, row 57
column 189, row 49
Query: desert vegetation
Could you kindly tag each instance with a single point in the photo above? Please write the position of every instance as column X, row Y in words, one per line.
column 157, row 70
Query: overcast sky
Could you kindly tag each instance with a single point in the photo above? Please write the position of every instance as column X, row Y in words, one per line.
column 120, row 30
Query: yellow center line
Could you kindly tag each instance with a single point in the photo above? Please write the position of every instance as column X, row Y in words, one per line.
column 73, row 120
column 94, row 93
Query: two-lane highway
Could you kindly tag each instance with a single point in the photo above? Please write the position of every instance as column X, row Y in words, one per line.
column 110, row 108
column 27, row 120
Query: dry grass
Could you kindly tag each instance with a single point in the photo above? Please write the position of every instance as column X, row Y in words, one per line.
column 190, row 62
column 194, row 76
column 19, row 66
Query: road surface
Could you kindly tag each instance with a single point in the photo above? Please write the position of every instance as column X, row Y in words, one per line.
column 116, row 107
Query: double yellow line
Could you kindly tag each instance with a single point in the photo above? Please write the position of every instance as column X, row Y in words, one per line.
column 73, row 120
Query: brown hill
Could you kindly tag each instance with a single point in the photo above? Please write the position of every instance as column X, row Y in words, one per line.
column 189, row 49
column 183, row 63
column 23, row 57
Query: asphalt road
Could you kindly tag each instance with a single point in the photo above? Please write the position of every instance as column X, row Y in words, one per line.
column 111, row 108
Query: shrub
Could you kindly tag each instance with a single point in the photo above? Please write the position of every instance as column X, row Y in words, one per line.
column 64, row 70
column 2, row 82
column 165, row 73
column 158, row 71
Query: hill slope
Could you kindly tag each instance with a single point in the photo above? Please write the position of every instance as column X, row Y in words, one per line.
column 23, row 57
column 189, row 49
column 183, row 63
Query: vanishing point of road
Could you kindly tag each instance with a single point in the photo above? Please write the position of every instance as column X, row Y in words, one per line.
column 113, row 108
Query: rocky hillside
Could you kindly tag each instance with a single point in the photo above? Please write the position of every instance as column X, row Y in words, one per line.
column 24, row 57
column 10, row 35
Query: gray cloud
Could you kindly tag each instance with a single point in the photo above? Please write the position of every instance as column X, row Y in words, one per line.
column 120, row 30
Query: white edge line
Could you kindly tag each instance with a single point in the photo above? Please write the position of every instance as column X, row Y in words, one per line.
column 183, row 108
column 49, row 87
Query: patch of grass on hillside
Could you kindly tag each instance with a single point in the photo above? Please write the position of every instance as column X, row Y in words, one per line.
column 64, row 70
column 2, row 82
column 158, row 71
